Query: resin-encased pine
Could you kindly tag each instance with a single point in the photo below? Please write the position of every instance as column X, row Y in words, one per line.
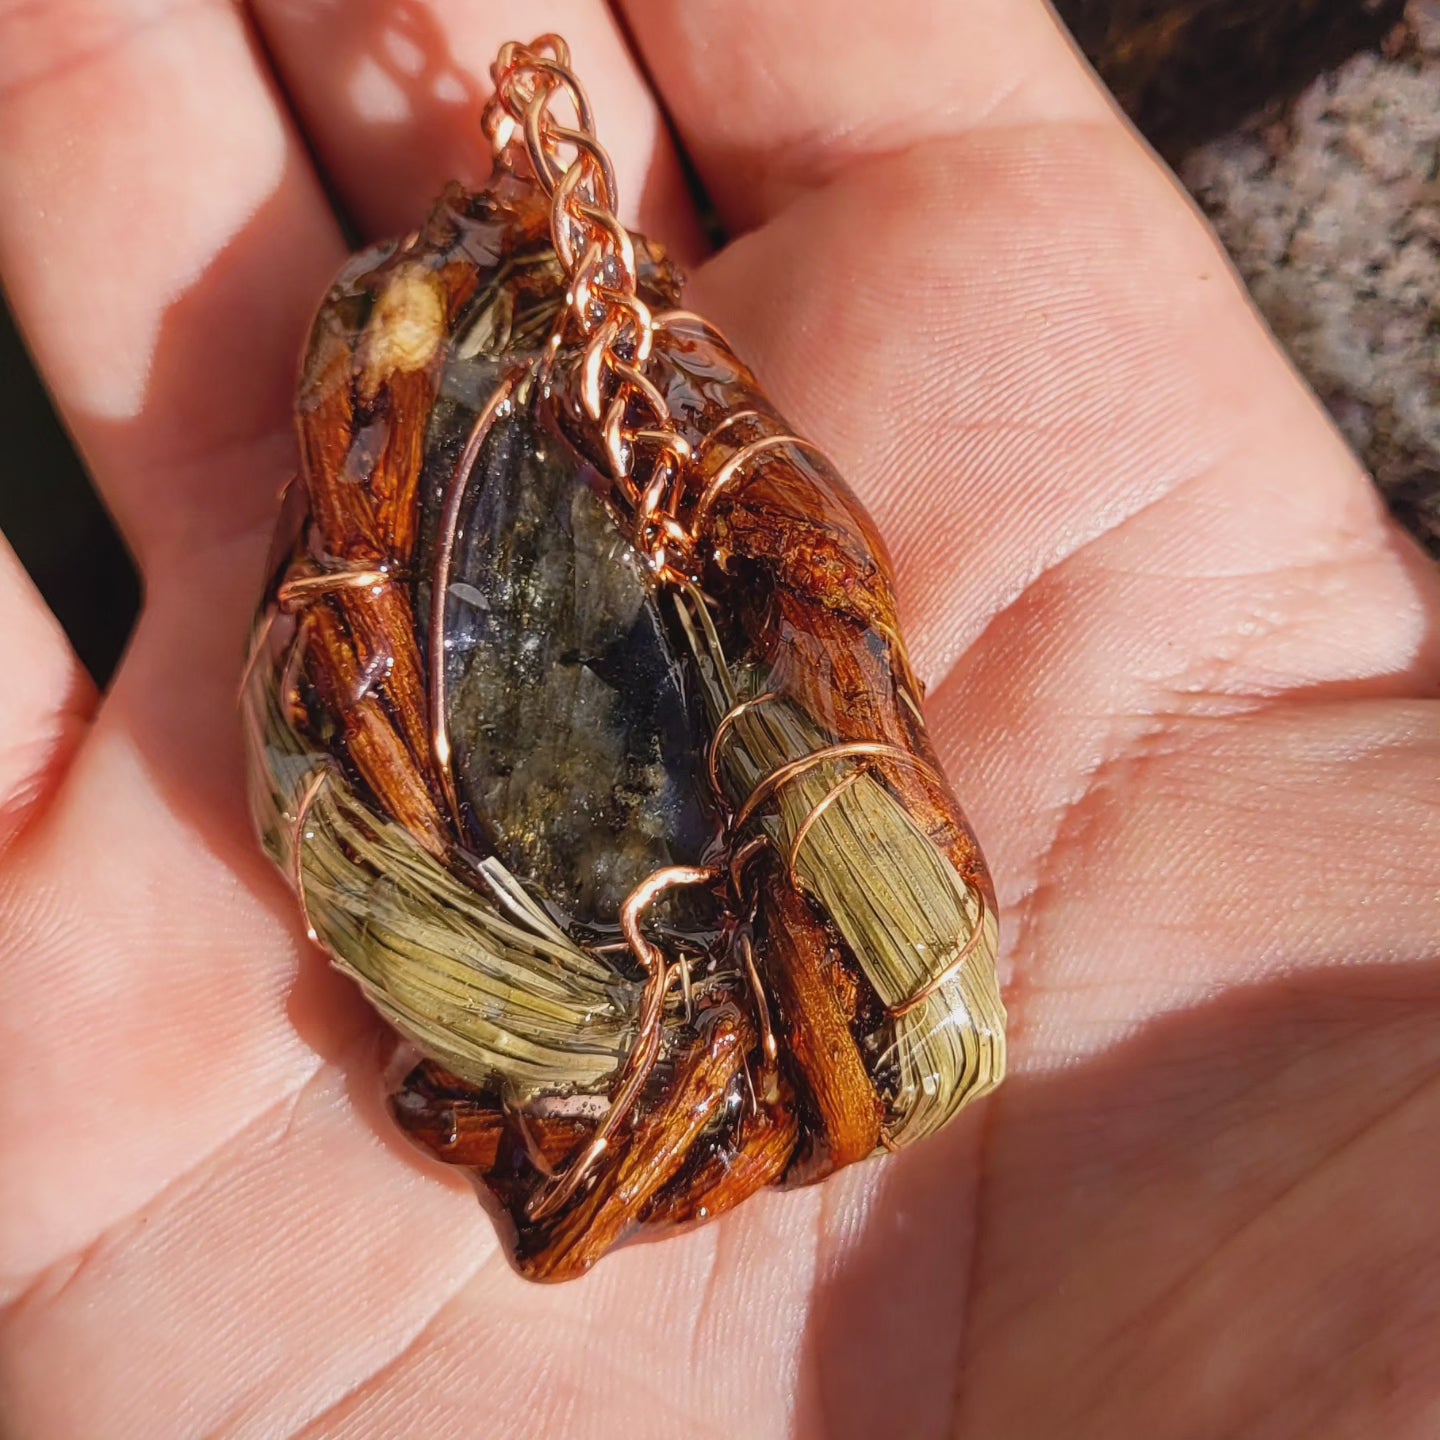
column 479, row 720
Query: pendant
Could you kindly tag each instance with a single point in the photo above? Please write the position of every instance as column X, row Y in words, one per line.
column 580, row 721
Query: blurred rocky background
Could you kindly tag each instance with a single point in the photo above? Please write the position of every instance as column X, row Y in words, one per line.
column 1309, row 132
column 1330, row 206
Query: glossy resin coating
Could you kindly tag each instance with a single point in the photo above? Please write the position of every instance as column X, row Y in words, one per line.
column 480, row 722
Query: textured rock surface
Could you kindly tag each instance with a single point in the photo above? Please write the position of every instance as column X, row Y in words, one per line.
column 1330, row 207
column 566, row 712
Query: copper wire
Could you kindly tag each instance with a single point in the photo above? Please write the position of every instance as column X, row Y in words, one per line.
column 792, row 770
column 301, row 590
column 644, row 895
column 641, row 388
column 675, row 319
column 742, row 855
column 295, row 596
column 723, row 728
column 735, row 417
column 769, row 1045
column 820, row 807
column 604, row 305
column 736, row 463
column 935, row 982
column 297, row 841
column 440, row 588
column 677, row 444
column 646, row 1048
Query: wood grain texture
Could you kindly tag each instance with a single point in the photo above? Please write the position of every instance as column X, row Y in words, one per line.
column 652, row 1155
column 801, row 963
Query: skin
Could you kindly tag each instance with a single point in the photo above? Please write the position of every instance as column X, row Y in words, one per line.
column 1182, row 669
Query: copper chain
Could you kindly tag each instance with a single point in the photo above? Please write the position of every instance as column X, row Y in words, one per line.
column 648, row 460
column 645, row 452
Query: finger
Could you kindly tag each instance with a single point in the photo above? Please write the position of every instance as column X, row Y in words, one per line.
column 1112, row 505
column 45, row 700
column 1044, row 341
column 163, row 240
column 390, row 95
column 773, row 99
column 1019, row 344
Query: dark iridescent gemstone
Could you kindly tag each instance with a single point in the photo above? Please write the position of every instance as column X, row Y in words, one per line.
column 572, row 735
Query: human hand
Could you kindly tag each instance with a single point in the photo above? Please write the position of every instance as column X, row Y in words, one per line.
column 1182, row 671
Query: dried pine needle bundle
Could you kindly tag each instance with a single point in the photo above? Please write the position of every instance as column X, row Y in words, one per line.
column 580, row 721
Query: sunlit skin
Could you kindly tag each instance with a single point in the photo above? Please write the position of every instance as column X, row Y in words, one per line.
column 1181, row 666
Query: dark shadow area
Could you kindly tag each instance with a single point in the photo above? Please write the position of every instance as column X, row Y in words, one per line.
column 1188, row 70
column 50, row 515
column 1143, row 1165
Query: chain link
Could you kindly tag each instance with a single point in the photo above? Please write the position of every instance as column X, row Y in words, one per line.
column 645, row 452
column 651, row 464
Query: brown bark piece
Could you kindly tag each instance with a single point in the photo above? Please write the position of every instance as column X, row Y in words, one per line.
column 827, row 1062
column 325, row 417
column 377, row 751
column 363, row 413
column 642, row 1163
column 382, row 622
column 756, row 1156
column 461, row 1126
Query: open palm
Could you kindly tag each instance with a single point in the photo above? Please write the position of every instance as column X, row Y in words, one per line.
column 1181, row 669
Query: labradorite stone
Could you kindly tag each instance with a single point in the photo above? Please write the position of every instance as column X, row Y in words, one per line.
column 573, row 738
